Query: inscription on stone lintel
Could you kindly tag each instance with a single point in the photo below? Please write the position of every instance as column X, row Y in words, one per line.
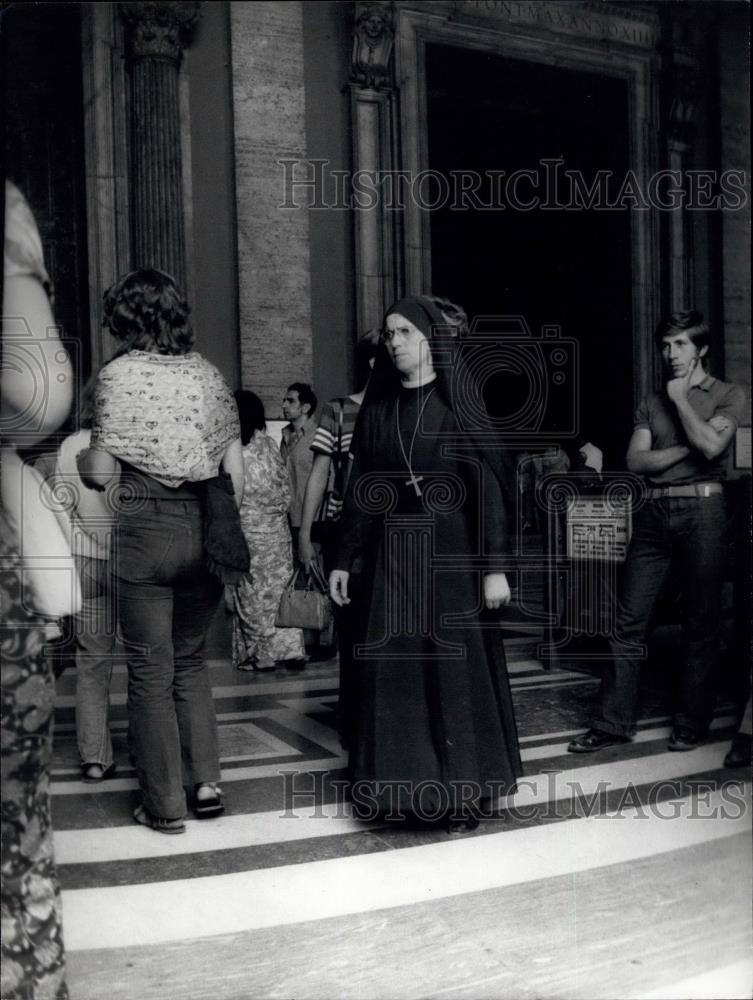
column 563, row 17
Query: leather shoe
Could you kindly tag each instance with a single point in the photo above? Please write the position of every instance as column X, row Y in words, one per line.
column 595, row 739
column 683, row 739
column 297, row 663
column 738, row 754
column 465, row 821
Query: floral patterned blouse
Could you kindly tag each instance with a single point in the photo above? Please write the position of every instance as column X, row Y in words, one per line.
column 266, row 486
column 170, row 416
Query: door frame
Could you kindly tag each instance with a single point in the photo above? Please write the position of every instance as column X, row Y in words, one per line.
column 489, row 29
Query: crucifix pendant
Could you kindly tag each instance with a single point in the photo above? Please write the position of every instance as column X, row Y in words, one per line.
column 414, row 481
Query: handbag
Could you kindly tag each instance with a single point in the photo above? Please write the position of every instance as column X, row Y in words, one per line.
column 309, row 607
column 225, row 548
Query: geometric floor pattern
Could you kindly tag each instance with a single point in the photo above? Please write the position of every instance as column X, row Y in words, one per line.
column 625, row 874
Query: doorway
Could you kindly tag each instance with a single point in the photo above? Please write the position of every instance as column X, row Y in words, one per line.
column 491, row 115
column 44, row 150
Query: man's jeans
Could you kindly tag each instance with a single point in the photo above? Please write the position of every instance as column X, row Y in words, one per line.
column 166, row 600
column 688, row 534
column 95, row 627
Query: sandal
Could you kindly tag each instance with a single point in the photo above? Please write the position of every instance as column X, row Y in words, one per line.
column 158, row 823
column 94, row 773
column 253, row 664
column 211, row 804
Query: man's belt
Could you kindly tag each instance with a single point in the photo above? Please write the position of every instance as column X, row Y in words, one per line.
column 688, row 490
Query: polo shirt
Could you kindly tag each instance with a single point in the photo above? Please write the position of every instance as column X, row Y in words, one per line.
column 333, row 438
column 710, row 398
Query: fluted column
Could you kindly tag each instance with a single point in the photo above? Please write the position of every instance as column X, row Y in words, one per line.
column 680, row 135
column 684, row 42
column 157, row 33
column 372, row 110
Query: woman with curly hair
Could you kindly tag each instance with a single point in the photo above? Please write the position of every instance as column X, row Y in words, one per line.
column 165, row 418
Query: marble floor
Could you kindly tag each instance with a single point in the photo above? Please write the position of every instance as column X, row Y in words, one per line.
column 621, row 874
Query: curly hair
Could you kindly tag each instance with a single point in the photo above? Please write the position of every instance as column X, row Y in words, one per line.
column 145, row 310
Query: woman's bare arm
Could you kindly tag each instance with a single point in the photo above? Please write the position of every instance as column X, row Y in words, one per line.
column 37, row 377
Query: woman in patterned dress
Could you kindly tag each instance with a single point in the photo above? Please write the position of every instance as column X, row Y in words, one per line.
column 33, row 959
column 257, row 643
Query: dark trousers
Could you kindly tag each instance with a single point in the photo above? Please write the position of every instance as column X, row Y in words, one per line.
column 166, row 600
column 95, row 642
column 688, row 534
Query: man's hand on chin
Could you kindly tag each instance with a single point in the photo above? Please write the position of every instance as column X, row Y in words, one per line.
column 678, row 388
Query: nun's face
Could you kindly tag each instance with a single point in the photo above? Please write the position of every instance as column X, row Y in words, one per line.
column 408, row 348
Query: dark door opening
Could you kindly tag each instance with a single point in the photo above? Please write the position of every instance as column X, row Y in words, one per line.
column 44, row 149
column 553, row 265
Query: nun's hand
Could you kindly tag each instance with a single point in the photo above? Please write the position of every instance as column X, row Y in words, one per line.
column 496, row 590
column 338, row 586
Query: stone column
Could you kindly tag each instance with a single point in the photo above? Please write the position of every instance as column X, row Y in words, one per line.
column 682, row 73
column 106, row 157
column 274, row 252
column 372, row 111
column 733, row 49
column 679, row 145
column 156, row 34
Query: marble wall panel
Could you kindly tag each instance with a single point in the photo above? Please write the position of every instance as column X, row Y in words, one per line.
column 273, row 243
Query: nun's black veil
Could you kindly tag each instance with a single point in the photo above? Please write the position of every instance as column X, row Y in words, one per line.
column 453, row 376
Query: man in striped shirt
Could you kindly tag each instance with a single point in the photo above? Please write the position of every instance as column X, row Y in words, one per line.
column 331, row 448
column 324, row 499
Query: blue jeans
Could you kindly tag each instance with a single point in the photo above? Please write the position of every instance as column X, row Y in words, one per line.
column 95, row 645
column 166, row 601
column 688, row 534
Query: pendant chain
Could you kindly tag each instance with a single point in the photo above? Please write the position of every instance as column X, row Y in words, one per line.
column 414, row 480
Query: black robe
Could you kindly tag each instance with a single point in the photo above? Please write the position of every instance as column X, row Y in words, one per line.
column 435, row 720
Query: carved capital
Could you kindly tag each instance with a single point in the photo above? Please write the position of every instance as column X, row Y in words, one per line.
column 373, row 38
column 687, row 39
column 159, row 30
column 684, row 99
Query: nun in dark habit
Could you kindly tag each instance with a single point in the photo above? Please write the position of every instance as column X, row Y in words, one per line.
column 425, row 509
